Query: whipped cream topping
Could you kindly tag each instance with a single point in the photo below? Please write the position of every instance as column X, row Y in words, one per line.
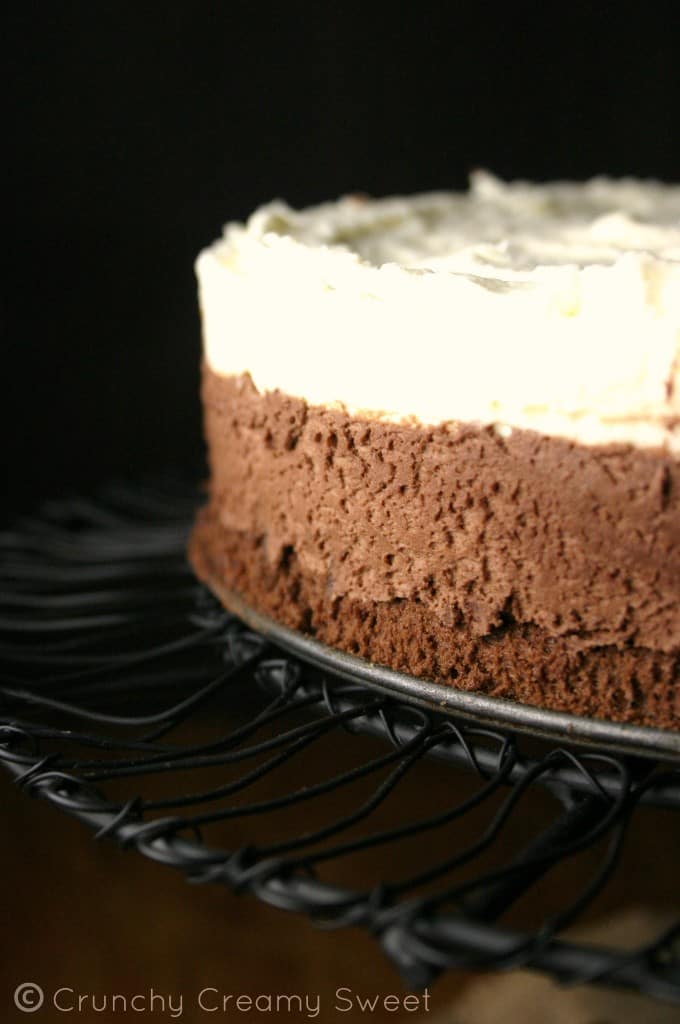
column 547, row 307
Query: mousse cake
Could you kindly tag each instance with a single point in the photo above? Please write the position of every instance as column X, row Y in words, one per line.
column 443, row 434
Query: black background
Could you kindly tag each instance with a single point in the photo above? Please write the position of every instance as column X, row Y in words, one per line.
column 135, row 130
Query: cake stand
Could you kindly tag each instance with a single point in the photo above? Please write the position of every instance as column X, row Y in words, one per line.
column 111, row 657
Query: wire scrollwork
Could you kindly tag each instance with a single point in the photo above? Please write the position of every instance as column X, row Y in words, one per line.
column 111, row 653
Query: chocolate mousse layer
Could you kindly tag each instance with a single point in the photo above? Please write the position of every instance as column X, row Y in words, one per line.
column 520, row 566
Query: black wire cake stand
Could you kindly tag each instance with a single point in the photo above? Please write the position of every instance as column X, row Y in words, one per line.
column 131, row 700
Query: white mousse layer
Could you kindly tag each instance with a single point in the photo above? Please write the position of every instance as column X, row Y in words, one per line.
column 549, row 307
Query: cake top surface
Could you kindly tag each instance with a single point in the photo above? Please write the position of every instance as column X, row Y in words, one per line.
column 496, row 230
column 554, row 307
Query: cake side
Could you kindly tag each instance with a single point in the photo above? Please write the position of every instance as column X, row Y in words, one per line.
column 524, row 566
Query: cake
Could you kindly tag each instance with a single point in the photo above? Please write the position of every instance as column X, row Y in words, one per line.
column 443, row 434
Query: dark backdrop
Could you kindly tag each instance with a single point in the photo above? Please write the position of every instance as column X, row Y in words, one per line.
column 136, row 130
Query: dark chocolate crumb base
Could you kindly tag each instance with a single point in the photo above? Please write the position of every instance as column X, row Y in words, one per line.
column 516, row 661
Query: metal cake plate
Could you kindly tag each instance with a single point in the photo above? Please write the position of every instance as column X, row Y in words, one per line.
column 602, row 734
